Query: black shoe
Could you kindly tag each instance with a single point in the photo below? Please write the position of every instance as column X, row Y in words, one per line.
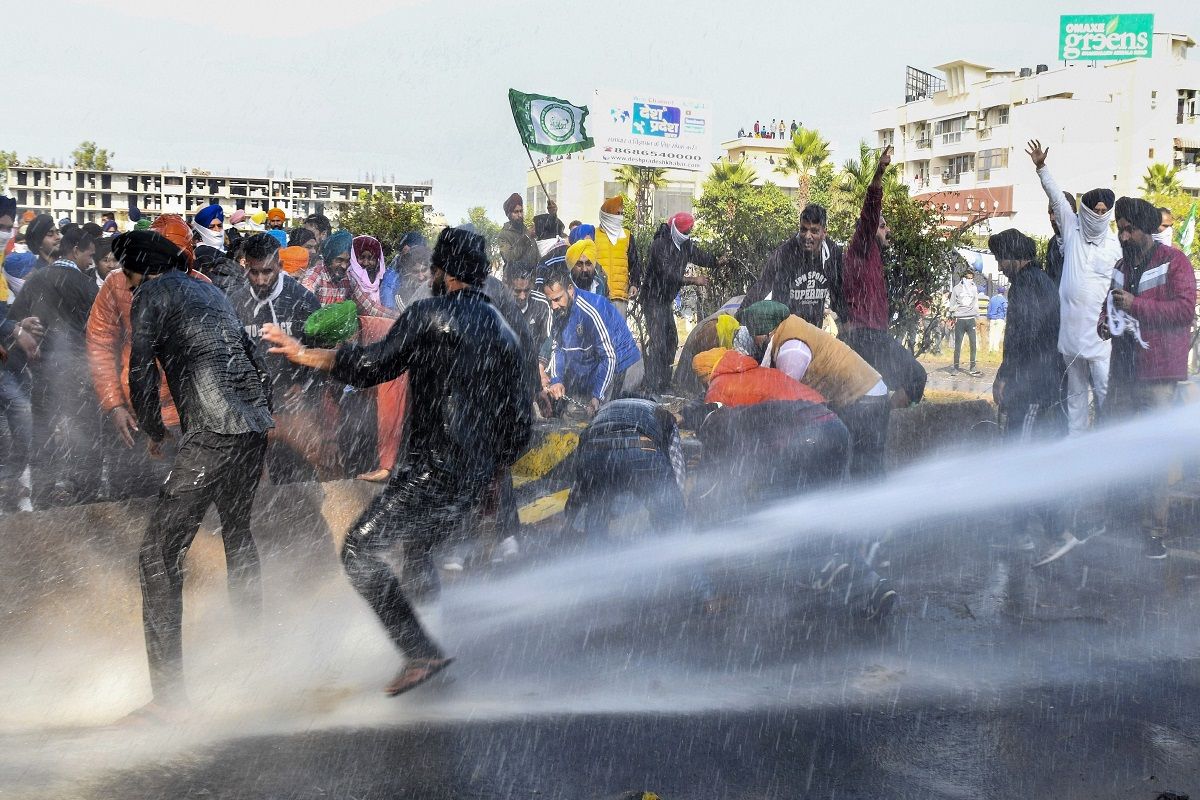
column 1154, row 549
column 975, row 372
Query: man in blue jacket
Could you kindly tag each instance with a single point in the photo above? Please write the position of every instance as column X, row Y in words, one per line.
column 592, row 345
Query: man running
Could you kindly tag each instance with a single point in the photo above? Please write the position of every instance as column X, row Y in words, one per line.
column 471, row 414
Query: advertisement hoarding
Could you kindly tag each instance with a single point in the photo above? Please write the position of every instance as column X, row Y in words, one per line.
column 1105, row 37
column 650, row 130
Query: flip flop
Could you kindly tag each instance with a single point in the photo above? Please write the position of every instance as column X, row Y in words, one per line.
column 427, row 669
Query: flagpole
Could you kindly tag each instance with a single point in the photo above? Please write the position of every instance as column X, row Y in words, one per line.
column 535, row 172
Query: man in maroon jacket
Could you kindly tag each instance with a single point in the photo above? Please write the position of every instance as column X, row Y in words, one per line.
column 1153, row 300
column 864, row 311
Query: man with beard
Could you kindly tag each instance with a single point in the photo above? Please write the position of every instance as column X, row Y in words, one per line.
column 580, row 258
column 1148, row 316
column 42, row 238
column 517, row 247
column 864, row 313
column 276, row 219
column 593, row 348
column 533, row 307
column 1090, row 250
column 270, row 296
column 804, row 273
column 222, row 392
column 470, row 417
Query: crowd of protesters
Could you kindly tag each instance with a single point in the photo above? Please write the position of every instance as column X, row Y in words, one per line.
column 190, row 358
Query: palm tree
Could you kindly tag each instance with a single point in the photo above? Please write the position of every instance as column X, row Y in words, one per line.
column 1161, row 179
column 805, row 155
column 739, row 175
column 641, row 180
column 857, row 174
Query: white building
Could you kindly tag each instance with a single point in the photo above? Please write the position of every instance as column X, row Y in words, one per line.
column 83, row 195
column 961, row 140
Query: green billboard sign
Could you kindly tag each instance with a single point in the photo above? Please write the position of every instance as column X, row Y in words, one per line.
column 1105, row 37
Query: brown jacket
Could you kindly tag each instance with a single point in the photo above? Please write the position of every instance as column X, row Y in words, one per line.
column 108, row 341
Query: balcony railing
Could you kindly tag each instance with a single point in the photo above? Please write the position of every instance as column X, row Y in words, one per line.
column 924, row 144
column 985, row 133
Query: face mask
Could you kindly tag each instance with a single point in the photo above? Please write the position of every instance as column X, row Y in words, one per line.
column 5, row 236
column 1165, row 236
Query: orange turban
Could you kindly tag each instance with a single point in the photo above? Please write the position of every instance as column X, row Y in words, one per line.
column 614, row 205
column 276, row 213
column 175, row 230
column 704, row 363
column 293, row 259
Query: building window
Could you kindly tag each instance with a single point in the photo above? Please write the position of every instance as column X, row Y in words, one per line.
column 1188, row 107
column 1002, row 115
column 673, row 199
column 950, row 130
column 956, row 166
column 988, row 160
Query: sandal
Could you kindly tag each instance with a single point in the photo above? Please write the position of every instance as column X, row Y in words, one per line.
column 416, row 672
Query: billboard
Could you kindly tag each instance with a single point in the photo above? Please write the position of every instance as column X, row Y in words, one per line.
column 1105, row 37
column 651, row 130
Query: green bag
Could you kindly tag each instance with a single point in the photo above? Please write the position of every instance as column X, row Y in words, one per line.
column 331, row 325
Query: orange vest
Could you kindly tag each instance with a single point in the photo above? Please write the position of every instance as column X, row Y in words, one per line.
column 614, row 260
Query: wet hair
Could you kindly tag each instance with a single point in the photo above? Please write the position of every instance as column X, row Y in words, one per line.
column 235, row 249
column 93, row 230
column 300, row 237
column 1163, row 211
column 260, row 246
column 75, row 238
column 103, row 247
column 814, row 214
column 518, row 272
column 320, row 222
column 559, row 274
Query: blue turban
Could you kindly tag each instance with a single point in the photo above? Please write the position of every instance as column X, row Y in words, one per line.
column 280, row 236
column 582, row 232
column 413, row 239
column 336, row 245
column 18, row 265
column 206, row 215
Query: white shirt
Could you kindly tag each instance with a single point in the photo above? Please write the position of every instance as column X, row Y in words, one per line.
column 794, row 359
column 1086, row 278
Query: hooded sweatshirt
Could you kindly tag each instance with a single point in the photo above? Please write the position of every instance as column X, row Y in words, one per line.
column 288, row 305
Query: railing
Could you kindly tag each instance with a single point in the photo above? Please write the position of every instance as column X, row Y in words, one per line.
column 924, row 144
column 985, row 133
column 950, row 179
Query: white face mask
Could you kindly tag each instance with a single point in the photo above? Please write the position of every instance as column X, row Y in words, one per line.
column 5, row 236
column 1165, row 236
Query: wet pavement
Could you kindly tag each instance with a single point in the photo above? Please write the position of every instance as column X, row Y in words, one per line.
column 992, row 679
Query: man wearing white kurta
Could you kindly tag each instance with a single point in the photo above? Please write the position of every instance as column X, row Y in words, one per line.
column 1090, row 251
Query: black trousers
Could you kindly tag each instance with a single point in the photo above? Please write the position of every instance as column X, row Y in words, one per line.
column 422, row 506
column 661, row 346
column 65, row 444
column 604, row 470
column 898, row 368
column 867, row 420
column 211, row 468
column 1030, row 424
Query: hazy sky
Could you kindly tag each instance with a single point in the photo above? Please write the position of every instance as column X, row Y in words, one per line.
column 418, row 88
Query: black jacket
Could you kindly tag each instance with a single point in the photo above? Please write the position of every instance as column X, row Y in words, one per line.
column 61, row 297
column 1032, row 368
column 1054, row 259
column 217, row 380
column 538, row 318
column 288, row 305
column 807, row 286
column 470, row 409
column 225, row 273
column 663, row 277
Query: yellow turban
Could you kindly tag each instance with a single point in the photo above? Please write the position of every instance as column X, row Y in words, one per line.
column 258, row 217
column 614, row 205
column 584, row 247
column 727, row 326
column 704, row 363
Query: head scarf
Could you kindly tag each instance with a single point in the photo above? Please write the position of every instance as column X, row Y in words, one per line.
column 413, row 239
column 1012, row 245
column 582, row 232
column 726, row 327
column 276, row 213
column 764, row 317
column 36, row 232
column 237, row 216
column 279, row 236
column 584, row 247
column 1140, row 214
column 142, row 224
column 461, row 254
column 17, row 267
column 704, row 363
column 1106, row 196
column 612, row 220
column 358, row 246
column 335, row 245
column 147, row 252
column 681, row 226
column 205, row 216
column 177, row 232
column 293, row 259
column 614, row 205
column 512, row 202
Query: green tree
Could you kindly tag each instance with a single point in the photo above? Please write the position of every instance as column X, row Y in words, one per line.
column 489, row 230
column 380, row 215
column 8, row 158
column 739, row 174
column 88, row 156
column 748, row 223
column 1180, row 205
column 641, row 180
column 1161, row 179
column 857, row 174
column 806, row 153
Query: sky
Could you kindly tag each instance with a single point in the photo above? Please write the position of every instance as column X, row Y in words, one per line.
column 418, row 88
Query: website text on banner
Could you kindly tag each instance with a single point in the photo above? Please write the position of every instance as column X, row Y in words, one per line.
column 651, row 130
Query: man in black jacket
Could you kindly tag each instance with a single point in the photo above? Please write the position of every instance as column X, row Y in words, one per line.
column 470, row 416
column 804, row 273
column 1028, row 386
column 222, row 392
column 670, row 253
column 66, row 414
column 270, row 296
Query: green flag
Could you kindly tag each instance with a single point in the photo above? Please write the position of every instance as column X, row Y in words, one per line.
column 1187, row 234
column 548, row 124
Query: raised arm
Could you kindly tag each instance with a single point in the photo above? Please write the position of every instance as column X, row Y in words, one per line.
column 1058, row 201
column 872, row 209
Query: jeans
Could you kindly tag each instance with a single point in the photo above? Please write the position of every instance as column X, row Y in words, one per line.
column 603, row 471
column 1083, row 374
column 964, row 326
column 18, row 413
column 422, row 505
column 210, row 468
column 662, row 345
